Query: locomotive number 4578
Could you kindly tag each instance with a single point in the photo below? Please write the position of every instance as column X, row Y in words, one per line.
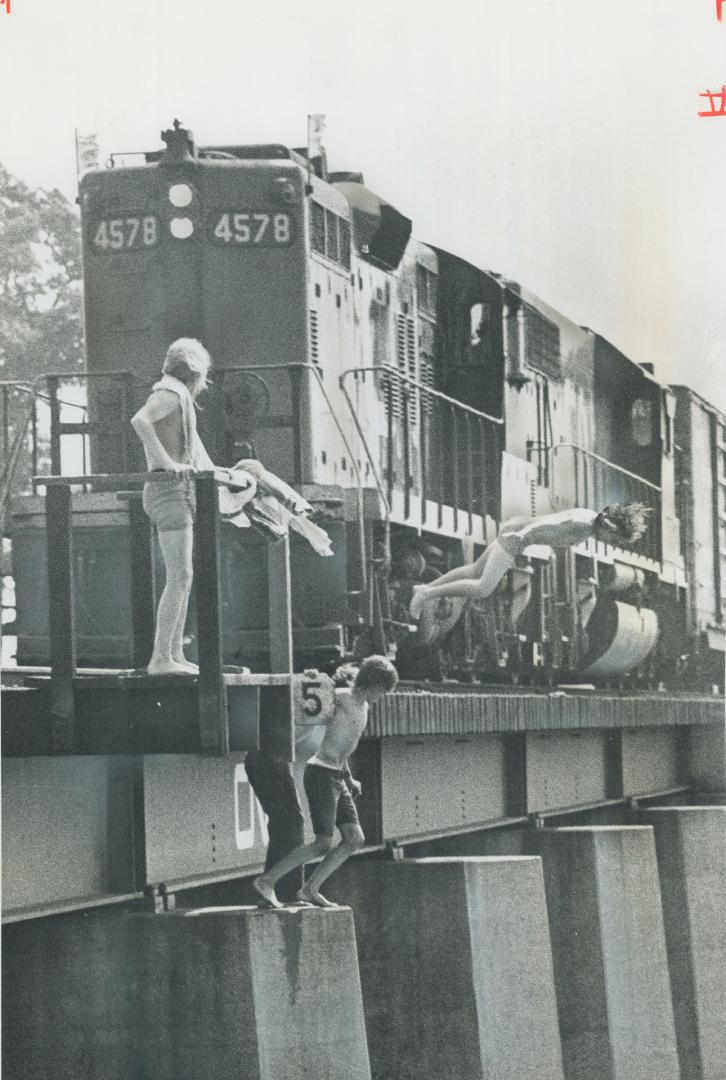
column 250, row 228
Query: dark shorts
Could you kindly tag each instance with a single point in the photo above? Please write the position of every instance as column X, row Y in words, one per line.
column 329, row 799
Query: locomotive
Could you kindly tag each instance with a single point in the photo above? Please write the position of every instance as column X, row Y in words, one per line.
column 416, row 400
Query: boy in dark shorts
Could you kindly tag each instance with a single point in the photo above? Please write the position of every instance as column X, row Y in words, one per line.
column 330, row 788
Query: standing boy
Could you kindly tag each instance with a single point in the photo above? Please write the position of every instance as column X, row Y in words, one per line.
column 167, row 427
column 330, row 788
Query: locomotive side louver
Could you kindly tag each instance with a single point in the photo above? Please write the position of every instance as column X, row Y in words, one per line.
column 314, row 343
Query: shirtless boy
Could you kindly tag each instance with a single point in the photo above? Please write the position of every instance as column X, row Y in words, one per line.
column 330, row 788
column 620, row 523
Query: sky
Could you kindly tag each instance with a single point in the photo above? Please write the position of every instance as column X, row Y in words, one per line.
column 555, row 141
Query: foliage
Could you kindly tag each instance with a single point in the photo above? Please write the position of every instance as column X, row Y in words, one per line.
column 40, row 282
column 41, row 326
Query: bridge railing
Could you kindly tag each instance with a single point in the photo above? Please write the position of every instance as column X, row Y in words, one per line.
column 580, row 478
column 213, row 727
column 431, row 448
column 54, row 423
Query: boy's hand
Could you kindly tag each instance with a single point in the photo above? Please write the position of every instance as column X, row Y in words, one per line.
column 253, row 467
column 355, row 787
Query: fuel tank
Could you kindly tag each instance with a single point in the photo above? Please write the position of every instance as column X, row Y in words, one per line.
column 620, row 637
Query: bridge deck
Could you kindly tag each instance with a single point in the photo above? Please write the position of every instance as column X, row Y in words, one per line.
column 122, row 712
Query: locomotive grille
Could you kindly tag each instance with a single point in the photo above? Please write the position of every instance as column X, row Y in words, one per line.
column 314, row 342
column 406, row 363
column 542, row 342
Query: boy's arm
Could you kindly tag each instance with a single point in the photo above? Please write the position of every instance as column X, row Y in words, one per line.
column 161, row 403
column 355, row 785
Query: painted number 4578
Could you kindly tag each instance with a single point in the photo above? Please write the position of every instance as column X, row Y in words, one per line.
column 253, row 229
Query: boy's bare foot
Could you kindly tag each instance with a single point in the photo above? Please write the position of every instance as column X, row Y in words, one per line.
column 417, row 601
column 187, row 664
column 266, row 893
column 171, row 667
column 315, row 898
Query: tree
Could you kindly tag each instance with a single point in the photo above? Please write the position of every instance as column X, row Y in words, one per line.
column 41, row 327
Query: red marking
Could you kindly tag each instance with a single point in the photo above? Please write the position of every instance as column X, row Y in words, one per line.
column 717, row 100
column 6, row 5
column 719, row 9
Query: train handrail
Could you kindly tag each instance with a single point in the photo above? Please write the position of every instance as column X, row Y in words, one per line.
column 593, row 474
column 13, row 454
column 388, row 371
column 603, row 461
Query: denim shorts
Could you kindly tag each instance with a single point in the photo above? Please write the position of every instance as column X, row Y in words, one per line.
column 329, row 799
column 170, row 503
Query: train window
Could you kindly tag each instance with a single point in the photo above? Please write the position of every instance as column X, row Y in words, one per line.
column 331, row 235
column 344, row 242
column 641, row 422
column 479, row 315
column 317, row 227
column 426, row 289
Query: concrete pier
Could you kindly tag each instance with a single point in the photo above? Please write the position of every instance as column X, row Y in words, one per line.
column 691, row 849
column 456, row 968
column 228, row 993
column 608, row 942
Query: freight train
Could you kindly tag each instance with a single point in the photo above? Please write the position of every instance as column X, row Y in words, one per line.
column 418, row 401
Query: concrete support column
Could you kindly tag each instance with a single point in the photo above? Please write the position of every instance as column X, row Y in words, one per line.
column 691, row 849
column 223, row 993
column 456, row 968
column 611, row 970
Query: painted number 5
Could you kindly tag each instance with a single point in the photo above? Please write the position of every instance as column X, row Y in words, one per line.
column 312, row 705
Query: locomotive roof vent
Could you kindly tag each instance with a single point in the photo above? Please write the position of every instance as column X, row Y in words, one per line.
column 380, row 231
column 179, row 145
column 346, row 178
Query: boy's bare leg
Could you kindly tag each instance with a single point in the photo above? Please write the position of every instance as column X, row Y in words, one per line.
column 495, row 562
column 176, row 550
column 352, row 839
column 470, row 572
column 265, row 883
column 177, row 646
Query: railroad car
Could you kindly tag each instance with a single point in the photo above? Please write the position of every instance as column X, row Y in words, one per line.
column 700, row 449
column 418, row 401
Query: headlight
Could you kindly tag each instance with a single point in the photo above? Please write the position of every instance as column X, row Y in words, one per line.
column 180, row 195
column 181, row 227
